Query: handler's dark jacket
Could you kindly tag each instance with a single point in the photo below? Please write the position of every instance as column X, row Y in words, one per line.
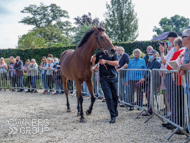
column 110, row 71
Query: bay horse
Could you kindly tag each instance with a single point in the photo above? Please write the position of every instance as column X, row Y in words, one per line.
column 76, row 65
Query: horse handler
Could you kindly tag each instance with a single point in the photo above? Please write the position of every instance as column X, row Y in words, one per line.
column 108, row 80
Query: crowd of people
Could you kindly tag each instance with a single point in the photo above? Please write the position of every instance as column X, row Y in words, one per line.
column 171, row 84
column 50, row 75
column 136, row 78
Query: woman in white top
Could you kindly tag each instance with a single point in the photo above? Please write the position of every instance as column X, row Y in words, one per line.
column 34, row 74
column 3, row 74
column 49, row 74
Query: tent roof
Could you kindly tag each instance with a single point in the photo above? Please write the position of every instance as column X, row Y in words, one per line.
column 164, row 36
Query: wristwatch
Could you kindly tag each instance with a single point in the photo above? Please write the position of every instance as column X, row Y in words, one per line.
column 179, row 67
column 107, row 62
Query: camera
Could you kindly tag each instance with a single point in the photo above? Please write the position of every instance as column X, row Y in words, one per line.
column 162, row 43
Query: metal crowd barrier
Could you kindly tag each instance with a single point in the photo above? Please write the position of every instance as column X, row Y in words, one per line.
column 32, row 80
column 187, row 92
column 169, row 103
column 132, row 92
column 48, row 79
column 3, row 79
column 97, row 87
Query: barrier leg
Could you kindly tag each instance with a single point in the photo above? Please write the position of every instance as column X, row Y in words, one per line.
column 175, row 132
column 141, row 113
column 152, row 116
column 187, row 140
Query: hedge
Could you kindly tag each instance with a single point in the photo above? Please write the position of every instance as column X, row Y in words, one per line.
column 56, row 51
column 142, row 45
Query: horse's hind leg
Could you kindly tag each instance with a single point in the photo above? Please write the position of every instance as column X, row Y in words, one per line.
column 64, row 80
column 80, row 100
column 93, row 98
column 78, row 106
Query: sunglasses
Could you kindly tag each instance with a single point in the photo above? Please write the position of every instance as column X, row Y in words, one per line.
column 184, row 37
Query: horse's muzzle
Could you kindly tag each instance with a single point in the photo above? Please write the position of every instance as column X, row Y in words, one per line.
column 111, row 52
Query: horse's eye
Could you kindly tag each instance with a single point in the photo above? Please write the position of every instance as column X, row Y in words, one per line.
column 101, row 37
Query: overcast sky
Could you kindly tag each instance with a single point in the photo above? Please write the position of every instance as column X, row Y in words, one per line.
column 149, row 13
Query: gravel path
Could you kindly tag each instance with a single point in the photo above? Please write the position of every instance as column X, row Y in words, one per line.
column 43, row 118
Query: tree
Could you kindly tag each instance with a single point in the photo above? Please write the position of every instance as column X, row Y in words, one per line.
column 31, row 40
column 80, row 31
column 48, row 36
column 47, row 25
column 84, row 23
column 121, row 23
column 42, row 15
column 175, row 23
column 87, row 19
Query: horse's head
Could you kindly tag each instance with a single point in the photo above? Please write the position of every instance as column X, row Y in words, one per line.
column 103, row 41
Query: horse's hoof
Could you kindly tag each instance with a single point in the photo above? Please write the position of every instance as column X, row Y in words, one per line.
column 88, row 112
column 78, row 114
column 68, row 110
column 82, row 120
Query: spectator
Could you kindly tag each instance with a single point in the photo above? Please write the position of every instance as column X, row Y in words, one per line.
column 146, row 57
column 34, row 74
column 145, row 81
column 3, row 74
column 19, row 73
column 29, row 78
column 96, row 79
column 123, row 64
column 44, row 77
column 132, row 77
column 166, row 58
column 176, row 101
column 57, row 77
column 171, row 37
column 49, row 74
column 186, row 65
column 12, row 73
column 51, row 56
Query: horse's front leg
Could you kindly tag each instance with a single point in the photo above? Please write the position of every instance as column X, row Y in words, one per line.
column 93, row 98
column 80, row 100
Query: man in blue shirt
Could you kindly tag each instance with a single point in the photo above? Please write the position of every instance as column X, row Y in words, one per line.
column 123, row 64
column 108, row 80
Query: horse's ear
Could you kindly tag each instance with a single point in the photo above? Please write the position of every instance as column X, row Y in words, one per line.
column 95, row 29
column 101, row 26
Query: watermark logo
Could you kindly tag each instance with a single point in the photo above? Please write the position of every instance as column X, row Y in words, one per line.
column 28, row 126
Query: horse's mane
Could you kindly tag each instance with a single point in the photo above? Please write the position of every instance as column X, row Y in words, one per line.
column 87, row 34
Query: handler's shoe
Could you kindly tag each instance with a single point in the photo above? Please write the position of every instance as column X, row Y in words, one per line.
column 112, row 120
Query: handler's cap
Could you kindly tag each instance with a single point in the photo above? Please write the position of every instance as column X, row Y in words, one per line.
column 152, row 52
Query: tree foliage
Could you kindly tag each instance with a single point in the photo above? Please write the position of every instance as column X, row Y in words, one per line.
column 121, row 21
column 87, row 19
column 175, row 23
column 84, row 23
column 31, row 40
column 48, row 27
column 79, row 33
column 42, row 15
